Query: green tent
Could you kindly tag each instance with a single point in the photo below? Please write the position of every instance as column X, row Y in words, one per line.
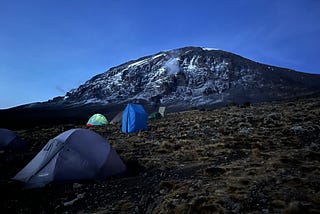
column 97, row 120
column 155, row 115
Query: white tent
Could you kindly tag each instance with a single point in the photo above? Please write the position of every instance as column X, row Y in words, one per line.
column 73, row 155
column 162, row 110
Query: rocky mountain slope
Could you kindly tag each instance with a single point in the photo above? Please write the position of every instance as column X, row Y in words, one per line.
column 180, row 79
column 192, row 76
column 261, row 158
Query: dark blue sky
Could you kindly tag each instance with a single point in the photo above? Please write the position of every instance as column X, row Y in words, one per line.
column 49, row 47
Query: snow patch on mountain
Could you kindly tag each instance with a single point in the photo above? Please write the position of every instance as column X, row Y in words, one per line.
column 159, row 55
column 138, row 63
column 172, row 66
column 210, row 49
column 95, row 100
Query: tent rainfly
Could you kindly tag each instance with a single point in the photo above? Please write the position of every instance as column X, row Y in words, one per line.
column 117, row 118
column 73, row 155
column 155, row 115
column 10, row 140
column 134, row 118
column 162, row 110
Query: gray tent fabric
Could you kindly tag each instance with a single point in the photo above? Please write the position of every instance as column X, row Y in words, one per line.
column 162, row 110
column 117, row 118
column 73, row 155
column 10, row 140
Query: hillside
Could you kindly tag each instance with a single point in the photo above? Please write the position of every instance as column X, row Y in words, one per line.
column 180, row 79
column 191, row 77
column 261, row 158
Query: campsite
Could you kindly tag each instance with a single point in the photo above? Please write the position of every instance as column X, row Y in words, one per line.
column 253, row 158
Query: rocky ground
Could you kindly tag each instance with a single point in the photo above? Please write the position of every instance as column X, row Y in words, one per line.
column 261, row 158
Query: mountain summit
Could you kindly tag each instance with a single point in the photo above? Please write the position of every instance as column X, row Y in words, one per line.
column 190, row 77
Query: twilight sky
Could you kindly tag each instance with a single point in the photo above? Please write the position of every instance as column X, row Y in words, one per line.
column 48, row 47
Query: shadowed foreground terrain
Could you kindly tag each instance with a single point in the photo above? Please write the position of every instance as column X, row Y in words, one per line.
column 262, row 158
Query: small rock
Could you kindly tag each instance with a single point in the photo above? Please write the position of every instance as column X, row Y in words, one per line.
column 244, row 131
column 297, row 129
column 76, row 185
column 274, row 116
column 278, row 203
column 294, row 208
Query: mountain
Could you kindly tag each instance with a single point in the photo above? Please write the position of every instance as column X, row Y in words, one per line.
column 191, row 77
column 180, row 79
